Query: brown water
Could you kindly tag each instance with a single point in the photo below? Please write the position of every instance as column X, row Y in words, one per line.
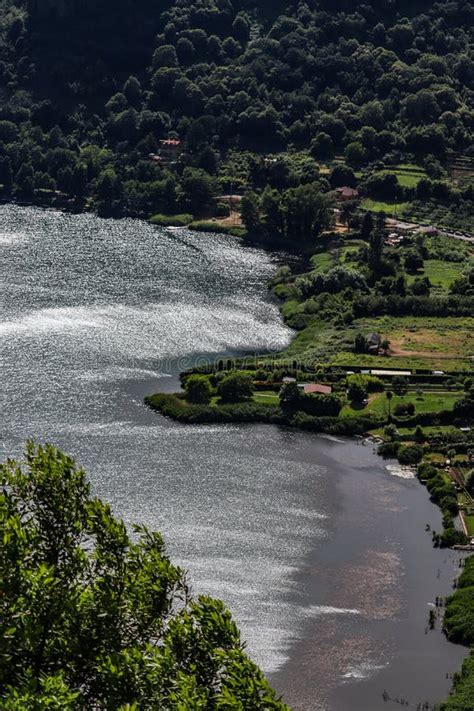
column 320, row 551
column 368, row 645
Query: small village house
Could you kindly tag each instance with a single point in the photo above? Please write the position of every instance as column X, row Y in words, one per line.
column 345, row 193
column 374, row 343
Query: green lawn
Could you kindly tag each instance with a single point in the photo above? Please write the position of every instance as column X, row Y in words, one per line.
column 409, row 175
column 470, row 524
column 429, row 402
column 391, row 208
column 322, row 262
column 267, row 398
column 429, row 431
column 447, row 341
column 441, row 274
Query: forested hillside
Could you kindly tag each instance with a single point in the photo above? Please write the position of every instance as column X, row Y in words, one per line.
column 90, row 88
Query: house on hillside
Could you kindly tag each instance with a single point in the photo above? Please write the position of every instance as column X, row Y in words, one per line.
column 170, row 148
column 344, row 194
column 427, row 231
column 374, row 343
column 393, row 239
column 401, row 228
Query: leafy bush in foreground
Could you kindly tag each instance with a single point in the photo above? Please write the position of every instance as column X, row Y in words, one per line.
column 90, row 618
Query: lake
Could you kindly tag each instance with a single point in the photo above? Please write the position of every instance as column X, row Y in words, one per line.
column 319, row 550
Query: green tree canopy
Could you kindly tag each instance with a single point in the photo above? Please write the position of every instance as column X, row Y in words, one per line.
column 92, row 618
column 236, row 387
column 198, row 389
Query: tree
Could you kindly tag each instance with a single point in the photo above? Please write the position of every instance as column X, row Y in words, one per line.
column 355, row 154
column 6, row 177
column 391, row 432
column 185, row 50
column 413, row 261
column 469, row 482
column 133, row 91
column 342, row 176
column 290, row 398
column 91, row 618
column 400, row 385
column 367, row 226
column 236, row 387
column 198, row 390
column 305, row 213
column 360, row 343
column 389, row 396
column 419, row 435
column 8, row 132
column 250, row 213
column 79, row 180
column 322, row 146
column 412, row 454
column 198, row 188
column 108, row 185
column 241, row 29
column 24, row 181
column 357, row 389
column 165, row 56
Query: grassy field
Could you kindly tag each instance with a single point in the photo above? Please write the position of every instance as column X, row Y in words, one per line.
column 267, row 398
column 434, row 340
column 470, row 524
column 391, row 208
column 408, row 175
column 322, row 262
column 419, row 343
column 428, row 431
column 441, row 274
column 429, row 402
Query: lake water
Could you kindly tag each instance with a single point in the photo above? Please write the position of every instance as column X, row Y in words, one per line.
column 319, row 550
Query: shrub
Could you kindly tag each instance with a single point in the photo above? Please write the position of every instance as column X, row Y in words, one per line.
column 404, row 409
column 320, row 405
column 389, row 450
column 400, row 385
column 236, row 387
column 427, row 471
column 459, row 616
column 209, row 226
column 222, row 210
column 198, row 390
column 410, row 455
column 290, row 398
column 182, row 220
column 357, row 389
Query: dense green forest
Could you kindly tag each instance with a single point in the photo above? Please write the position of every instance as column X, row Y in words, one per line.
column 89, row 89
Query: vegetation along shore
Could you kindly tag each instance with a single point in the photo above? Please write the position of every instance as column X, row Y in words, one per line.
column 382, row 348
column 338, row 130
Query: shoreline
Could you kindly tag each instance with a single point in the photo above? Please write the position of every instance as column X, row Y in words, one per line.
column 380, row 579
column 423, row 493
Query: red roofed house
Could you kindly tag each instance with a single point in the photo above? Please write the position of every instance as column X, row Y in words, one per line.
column 170, row 148
column 346, row 193
column 316, row 389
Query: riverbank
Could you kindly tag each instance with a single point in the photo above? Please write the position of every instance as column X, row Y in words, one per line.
column 426, row 530
column 426, row 420
column 110, row 312
column 369, row 639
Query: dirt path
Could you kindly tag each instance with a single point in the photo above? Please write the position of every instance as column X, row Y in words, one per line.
column 397, row 352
